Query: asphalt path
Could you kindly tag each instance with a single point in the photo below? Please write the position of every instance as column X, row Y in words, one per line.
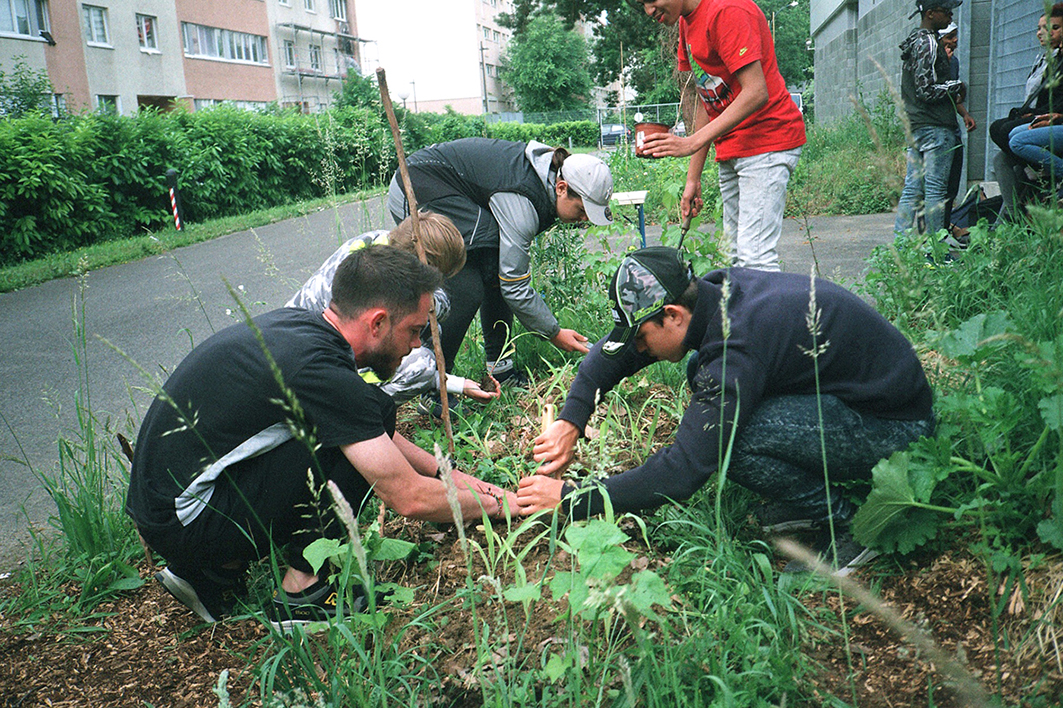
column 140, row 319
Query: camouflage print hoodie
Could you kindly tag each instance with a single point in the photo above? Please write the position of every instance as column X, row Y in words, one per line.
column 929, row 96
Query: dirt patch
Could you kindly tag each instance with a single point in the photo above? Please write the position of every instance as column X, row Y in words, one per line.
column 154, row 651
column 948, row 598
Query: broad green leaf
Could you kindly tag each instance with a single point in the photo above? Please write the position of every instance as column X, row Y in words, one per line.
column 597, row 548
column 1051, row 531
column 521, row 593
column 556, row 666
column 646, row 590
column 562, row 583
column 126, row 584
column 887, row 519
column 320, row 551
column 1052, row 411
column 392, row 549
column 400, row 595
column 968, row 339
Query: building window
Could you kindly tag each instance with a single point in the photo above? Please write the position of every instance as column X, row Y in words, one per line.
column 338, row 9
column 289, row 54
column 315, row 57
column 286, row 3
column 494, row 35
column 58, row 105
column 214, row 43
column 96, row 25
column 487, row 33
column 146, row 33
column 107, row 104
column 309, row 5
column 23, row 17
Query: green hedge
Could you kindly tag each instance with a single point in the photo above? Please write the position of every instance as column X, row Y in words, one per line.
column 85, row 179
column 583, row 133
column 70, row 183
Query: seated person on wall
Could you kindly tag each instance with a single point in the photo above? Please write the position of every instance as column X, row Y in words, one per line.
column 753, row 374
column 228, row 465
column 445, row 250
column 1040, row 144
column 1044, row 95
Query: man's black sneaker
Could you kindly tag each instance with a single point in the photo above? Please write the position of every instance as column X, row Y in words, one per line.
column 210, row 598
column 513, row 378
column 777, row 517
column 851, row 553
column 430, row 404
column 318, row 603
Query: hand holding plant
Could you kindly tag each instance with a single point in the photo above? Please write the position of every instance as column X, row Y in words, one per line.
column 556, row 447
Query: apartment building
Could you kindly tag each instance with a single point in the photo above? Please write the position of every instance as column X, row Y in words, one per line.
column 123, row 55
column 439, row 53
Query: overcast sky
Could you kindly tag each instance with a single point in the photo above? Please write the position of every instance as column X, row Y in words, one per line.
column 430, row 42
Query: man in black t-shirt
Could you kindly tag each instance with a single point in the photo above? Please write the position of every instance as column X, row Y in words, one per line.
column 761, row 378
column 233, row 453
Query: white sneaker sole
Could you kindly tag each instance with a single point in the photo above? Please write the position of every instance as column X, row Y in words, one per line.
column 184, row 593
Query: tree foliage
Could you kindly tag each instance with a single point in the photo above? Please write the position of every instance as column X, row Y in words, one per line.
column 359, row 92
column 24, row 90
column 625, row 40
column 547, row 66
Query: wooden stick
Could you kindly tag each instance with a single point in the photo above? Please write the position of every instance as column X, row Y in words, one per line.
column 411, row 199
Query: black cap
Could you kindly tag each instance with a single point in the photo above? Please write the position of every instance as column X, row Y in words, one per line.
column 646, row 281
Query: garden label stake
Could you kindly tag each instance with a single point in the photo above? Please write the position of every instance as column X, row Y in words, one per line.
column 547, row 417
column 411, row 199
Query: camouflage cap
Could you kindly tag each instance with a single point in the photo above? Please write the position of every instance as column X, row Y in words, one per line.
column 646, row 281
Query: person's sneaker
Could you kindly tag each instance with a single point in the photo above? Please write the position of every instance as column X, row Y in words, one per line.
column 776, row 517
column 318, row 603
column 513, row 378
column 211, row 599
column 851, row 553
column 430, row 404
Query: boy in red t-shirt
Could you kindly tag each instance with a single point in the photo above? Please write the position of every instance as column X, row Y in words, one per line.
column 745, row 110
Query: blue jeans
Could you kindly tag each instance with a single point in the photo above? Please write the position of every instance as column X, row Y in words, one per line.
column 1040, row 147
column 926, row 183
column 778, row 453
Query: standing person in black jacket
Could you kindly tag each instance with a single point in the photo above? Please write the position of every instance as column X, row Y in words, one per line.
column 501, row 195
column 760, row 375
column 1044, row 94
column 930, row 100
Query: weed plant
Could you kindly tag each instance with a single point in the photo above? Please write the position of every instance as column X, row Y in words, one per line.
column 98, row 546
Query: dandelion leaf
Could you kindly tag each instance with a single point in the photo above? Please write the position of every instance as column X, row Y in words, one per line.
column 890, row 519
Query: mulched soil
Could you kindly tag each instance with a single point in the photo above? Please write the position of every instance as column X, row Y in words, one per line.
column 155, row 652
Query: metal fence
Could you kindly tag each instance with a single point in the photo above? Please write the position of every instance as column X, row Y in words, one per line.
column 603, row 115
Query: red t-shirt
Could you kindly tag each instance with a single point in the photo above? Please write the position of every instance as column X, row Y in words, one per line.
column 717, row 39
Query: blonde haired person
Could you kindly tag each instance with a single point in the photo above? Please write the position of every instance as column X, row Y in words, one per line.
column 445, row 251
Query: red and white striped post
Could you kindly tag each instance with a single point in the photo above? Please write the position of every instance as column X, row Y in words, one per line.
column 175, row 197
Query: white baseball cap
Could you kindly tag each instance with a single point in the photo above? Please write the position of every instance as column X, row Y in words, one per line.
column 592, row 181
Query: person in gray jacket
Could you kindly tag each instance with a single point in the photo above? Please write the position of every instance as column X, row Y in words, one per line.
column 501, row 195
column 930, row 99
